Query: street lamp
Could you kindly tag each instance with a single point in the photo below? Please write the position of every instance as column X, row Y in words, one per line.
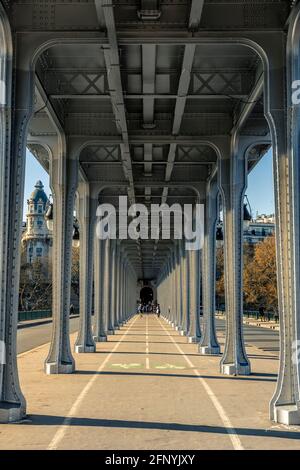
column 247, row 215
column 49, row 222
column 219, row 236
column 76, row 237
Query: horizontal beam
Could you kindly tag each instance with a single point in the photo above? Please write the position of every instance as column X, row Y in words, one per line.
column 183, row 163
column 138, row 96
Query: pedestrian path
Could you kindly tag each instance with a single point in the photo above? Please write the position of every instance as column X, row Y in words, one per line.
column 147, row 388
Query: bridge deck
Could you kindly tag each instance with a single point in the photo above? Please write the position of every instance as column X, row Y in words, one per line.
column 147, row 389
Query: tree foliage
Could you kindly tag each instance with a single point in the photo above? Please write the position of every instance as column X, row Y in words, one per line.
column 260, row 278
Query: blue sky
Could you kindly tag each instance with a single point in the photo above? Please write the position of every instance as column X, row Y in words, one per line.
column 259, row 192
column 34, row 172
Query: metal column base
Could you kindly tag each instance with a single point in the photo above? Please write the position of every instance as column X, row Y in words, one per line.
column 111, row 332
column 52, row 368
column 209, row 351
column 11, row 412
column 84, row 349
column 100, row 339
column 287, row 414
column 233, row 369
column 182, row 333
column 193, row 340
column 178, row 328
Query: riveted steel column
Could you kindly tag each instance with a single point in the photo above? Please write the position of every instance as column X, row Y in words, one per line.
column 185, row 291
column 13, row 128
column 232, row 183
column 179, row 286
column 87, row 206
column 285, row 129
column 100, row 327
column 209, row 344
column 194, row 331
column 112, row 304
column 117, row 288
column 64, row 181
column 107, row 284
column 174, row 293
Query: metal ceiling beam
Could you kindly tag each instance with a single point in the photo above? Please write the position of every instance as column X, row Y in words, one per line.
column 104, row 9
column 183, row 87
column 159, row 139
column 183, row 163
column 249, row 105
column 196, row 14
column 145, row 97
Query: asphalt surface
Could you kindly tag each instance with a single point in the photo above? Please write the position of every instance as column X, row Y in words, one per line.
column 36, row 335
column 147, row 388
column 266, row 340
column 263, row 338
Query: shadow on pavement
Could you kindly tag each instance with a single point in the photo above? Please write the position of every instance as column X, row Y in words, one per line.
column 42, row 420
column 254, row 377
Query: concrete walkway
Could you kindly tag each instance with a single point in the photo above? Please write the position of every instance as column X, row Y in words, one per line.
column 147, row 389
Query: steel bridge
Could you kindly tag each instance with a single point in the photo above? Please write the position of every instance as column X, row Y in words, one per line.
column 164, row 102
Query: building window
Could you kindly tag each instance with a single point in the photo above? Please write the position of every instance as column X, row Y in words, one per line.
column 39, row 223
column 40, row 208
column 39, row 251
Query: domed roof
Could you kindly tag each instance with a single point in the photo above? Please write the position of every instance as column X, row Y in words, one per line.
column 39, row 194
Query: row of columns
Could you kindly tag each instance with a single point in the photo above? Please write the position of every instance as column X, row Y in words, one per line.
column 179, row 291
column 280, row 58
column 179, row 288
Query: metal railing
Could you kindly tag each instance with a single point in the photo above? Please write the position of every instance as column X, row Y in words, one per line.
column 255, row 315
column 37, row 314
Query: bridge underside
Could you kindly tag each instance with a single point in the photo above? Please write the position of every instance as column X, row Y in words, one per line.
column 163, row 103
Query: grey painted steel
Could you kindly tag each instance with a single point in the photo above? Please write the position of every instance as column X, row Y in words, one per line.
column 232, row 183
column 168, row 93
column 14, row 119
column 87, row 219
column 209, row 344
column 64, row 181
column 100, row 322
column 194, row 331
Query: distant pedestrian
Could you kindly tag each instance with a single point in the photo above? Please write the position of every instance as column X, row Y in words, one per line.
column 158, row 310
column 72, row 309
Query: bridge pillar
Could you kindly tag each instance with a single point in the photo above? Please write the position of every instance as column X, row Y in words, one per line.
column 87, row 207
column 13, row 133
column 107, row 284
column 209, row 344
column 123, row 291
column 112, row 287
column 100, row 322
column 174, row 288
column 285, row 129
column 166, row 290
column 122, row 316
column 232, row 183
column 185, row 292
column 117, row 288
column 63, row 181
column 194, row 331
column 179, row 285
